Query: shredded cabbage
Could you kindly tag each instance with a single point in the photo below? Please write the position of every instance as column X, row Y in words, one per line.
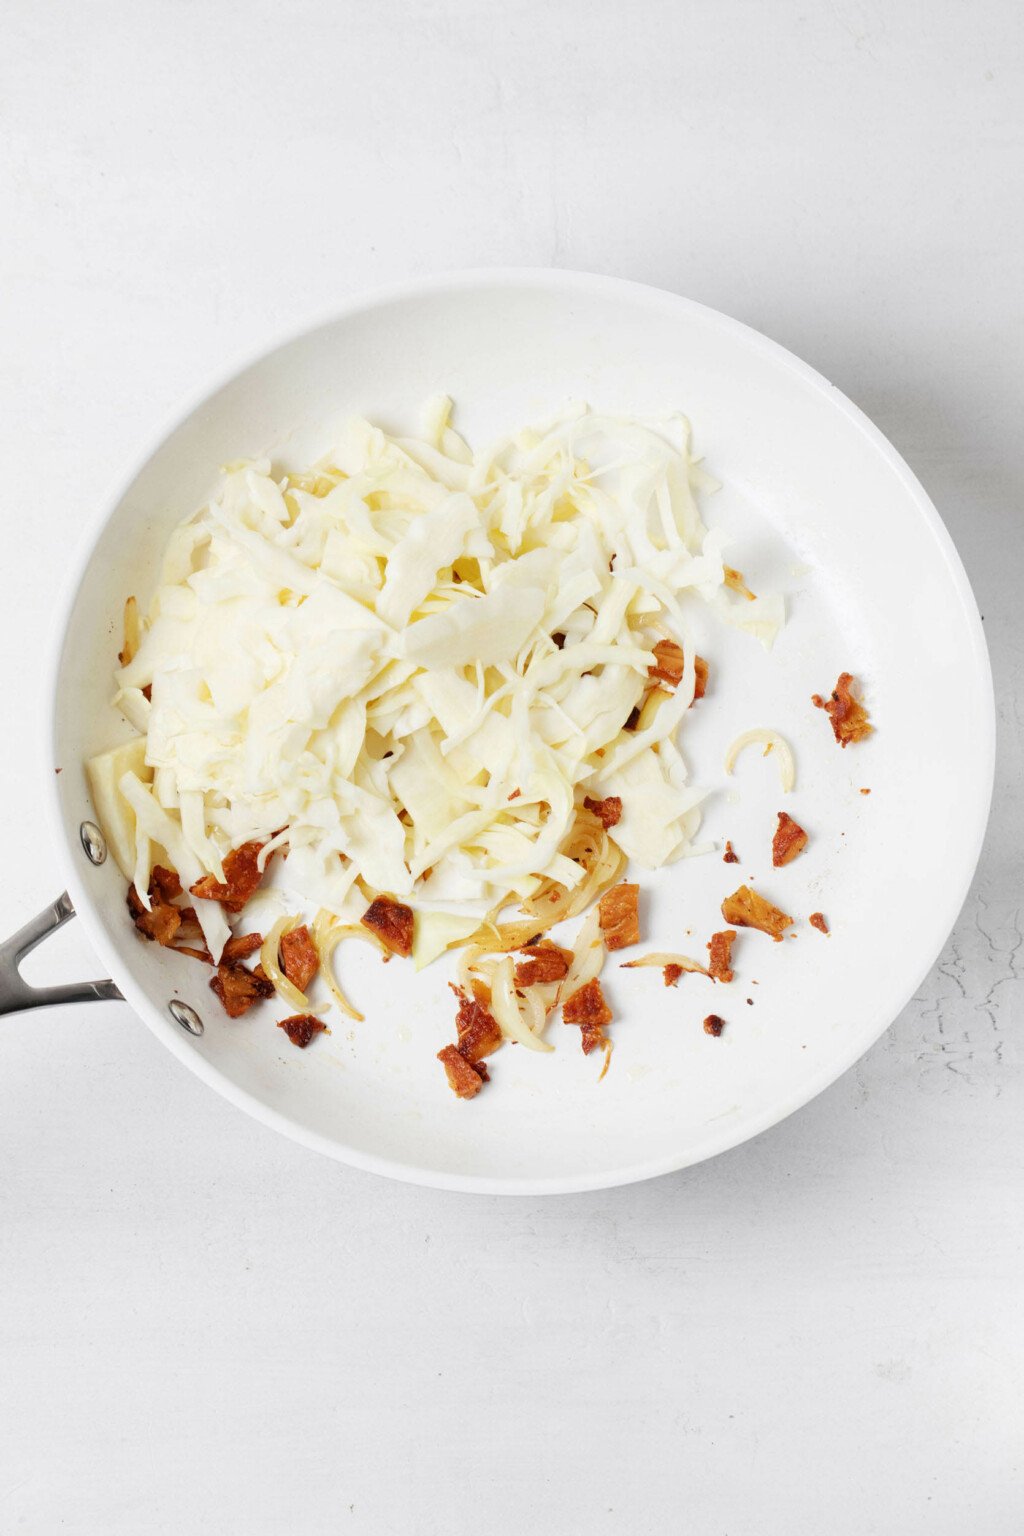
column 418, row 660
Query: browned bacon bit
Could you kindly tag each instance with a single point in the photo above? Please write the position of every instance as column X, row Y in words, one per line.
column 242, row 879
column 720, row 950
column 239, row 989
column 587, row 1008
column 464, row 1079
column 161, row 923
column 391, row 922
column 240, row 946
column 848, row 716
column 672, row 973
column 515, row 794
column 713, row 1025
column 668, row 662
column 299, row 959
column 865, row 791
column 164, row 884
column 746, row 909
column 544, row 962
column 302, row 1027
column 789, row 840
column 668, row 667
column 730, row 856
column 734, row 581
column 817, row 920
column 619, row 916
column 479, row 1032
column 608, row 811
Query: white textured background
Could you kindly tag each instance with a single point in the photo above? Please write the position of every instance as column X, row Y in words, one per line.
column 204, row 1328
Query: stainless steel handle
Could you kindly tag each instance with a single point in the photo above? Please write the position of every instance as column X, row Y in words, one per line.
column 15, row 993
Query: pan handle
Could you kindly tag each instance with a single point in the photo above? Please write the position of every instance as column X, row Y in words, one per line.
column 15, row 993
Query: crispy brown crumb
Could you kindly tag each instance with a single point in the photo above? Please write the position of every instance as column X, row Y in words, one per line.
column 720, row 950
column 848, row 716
column 713, row 1025
column 302, row 1027
column 239, row 989
column 817, row 920
column 668, row 668
column 587, row 1008
column 242, row 879
column 464, row 1079
column 544, row 962
column 730, row 856
column 863, row 791
column 619, row 916
column 299, row 959
column 746, row 909
column 479, row 1032
column 750, row 1002
column 607, row 811
column 160, row 923
column 672, row 973
column 164, row 884
column 668, row 663
column 790, row 840
column 392, row 922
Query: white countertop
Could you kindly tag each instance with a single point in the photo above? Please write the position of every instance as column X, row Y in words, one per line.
column 203, row 1327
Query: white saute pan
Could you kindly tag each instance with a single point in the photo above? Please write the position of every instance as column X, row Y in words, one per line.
column 824, row 509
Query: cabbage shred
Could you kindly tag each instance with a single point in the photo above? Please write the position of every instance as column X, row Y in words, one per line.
column 419, row 660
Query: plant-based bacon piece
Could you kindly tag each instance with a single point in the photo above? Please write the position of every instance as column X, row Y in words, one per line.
column 817, row 920
column 790, row 840
column 301, row 1028
column 544, row 962
column 391, row 922
column 160, row 923
column 299, row 959
column 239, row 989
column 746, row 909
column 713, row 1025
column 668, row 667
column 607, row 811
column 848, row 716
column 479, row 1032
column 587, row 1008
column 720, row 951
column 619, row 916
column 730, row 856
column 464, row 1079
column 164, row 884
column 672, row 973
column 242, row 879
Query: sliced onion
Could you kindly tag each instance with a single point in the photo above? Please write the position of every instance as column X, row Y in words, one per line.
column 772, row 742
column 506, row 1011
column 587, row 957
column 327, row 935
column 662, row 959
column 132, row 631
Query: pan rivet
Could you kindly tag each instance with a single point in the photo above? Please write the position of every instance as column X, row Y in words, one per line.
column 93, row 841
column 186, row 1016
